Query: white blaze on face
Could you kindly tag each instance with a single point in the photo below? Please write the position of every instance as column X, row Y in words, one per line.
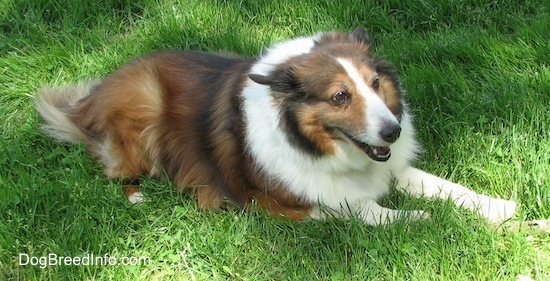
column 377, row 114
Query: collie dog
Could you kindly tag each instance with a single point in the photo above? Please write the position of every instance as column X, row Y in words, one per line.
column 315, row 126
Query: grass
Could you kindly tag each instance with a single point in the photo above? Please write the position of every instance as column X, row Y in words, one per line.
column 477, row 76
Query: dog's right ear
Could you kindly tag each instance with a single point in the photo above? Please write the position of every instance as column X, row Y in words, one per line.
column 260, row 79
column 279, row 80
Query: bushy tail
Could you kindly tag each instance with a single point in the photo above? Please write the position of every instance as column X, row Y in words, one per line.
column 55, row 105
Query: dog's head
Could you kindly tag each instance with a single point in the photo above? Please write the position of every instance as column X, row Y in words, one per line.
column 337, row 91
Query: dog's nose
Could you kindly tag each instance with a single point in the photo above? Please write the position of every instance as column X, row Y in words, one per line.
column 390, row 133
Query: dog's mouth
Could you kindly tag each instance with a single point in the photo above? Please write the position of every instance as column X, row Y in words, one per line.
column 376, row 153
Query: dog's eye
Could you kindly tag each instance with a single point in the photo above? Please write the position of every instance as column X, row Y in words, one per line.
column 341, row 98
column 376, row 83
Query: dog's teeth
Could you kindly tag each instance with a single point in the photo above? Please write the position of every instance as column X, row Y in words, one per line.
column 374, row 151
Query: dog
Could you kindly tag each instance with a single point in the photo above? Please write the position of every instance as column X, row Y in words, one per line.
column 316, row 126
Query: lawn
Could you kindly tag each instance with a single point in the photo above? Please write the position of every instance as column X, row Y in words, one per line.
column 477, row 78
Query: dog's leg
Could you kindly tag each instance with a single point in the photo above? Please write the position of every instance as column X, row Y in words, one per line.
column 374, row 214
column 130, row 187
column 371, row 212
column 421, row 184
column 124, row 162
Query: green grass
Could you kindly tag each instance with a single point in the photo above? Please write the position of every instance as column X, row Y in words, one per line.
column 477, row 77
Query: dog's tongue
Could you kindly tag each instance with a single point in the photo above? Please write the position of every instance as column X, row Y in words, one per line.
column 378, row 153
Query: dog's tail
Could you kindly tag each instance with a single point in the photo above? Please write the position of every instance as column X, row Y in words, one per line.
column 55, row 106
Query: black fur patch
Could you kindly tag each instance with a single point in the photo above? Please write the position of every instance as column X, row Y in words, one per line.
column 288, row 121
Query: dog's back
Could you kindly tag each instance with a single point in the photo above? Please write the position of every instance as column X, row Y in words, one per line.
column 136, row 120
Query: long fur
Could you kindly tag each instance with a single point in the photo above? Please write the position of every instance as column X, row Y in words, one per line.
column 315, row 121
column 54, row 106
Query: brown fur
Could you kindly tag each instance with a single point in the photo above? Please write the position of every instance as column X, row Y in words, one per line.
column 178, row 112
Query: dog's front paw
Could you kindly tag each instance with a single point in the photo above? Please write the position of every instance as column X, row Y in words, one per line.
column 497, row 210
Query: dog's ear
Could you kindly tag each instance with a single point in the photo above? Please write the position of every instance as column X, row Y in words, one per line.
column 361, row 36
column 280, row 80
column 260, row 79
